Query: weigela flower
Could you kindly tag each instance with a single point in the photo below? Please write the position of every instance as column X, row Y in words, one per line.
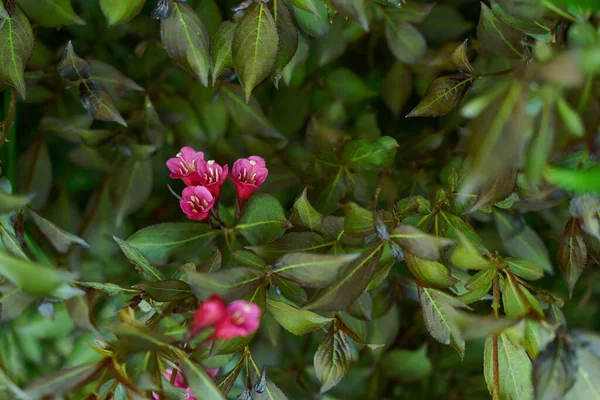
column 196, row 202
column 211, row 311
column 243, row 319
column 211, row 175
column 180, row 382
column 183, row 166
column 248, row 174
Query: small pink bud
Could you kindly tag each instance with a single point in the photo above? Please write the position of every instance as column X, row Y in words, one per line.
column 196, row 202
column 211, row 311
column 211, row 175
column 243, row 319
column 248, row 174
column 212, row 372
column 183, row 166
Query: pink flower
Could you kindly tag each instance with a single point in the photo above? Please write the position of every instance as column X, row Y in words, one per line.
column 212, row 372
column 211, row 175
column 183, row 166
column 243, row 319
column 196, row 202
column 248, row 174
column 180, row 382
column 211, row 311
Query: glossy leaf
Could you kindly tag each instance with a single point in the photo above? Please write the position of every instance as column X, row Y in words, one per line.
column 442, row 96
column 496, row 36
column 33, row 278
column 118, row 12
column 50, row 13
column 139, row 260
column 288, row 39
column 98, row 102
column 429, row 273
column 231, row 283
column 312, row 270
column 221, row 49
column 199, row 382
column 263, row 219
column 294, row 320
column 169, row 290
column 526, row 269
column 332, row 360
column 60, row 239
column 16, row 44
column 313, row 21
column 405, row 41
column 514, row 368
column 418, row 243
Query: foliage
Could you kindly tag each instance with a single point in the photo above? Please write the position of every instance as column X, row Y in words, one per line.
column 429, row 226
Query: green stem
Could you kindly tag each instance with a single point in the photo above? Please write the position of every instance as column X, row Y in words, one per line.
column 8, row 135
column 37, row 251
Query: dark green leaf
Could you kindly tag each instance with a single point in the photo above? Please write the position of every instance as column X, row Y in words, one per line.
column 354, row 9
column 263, row 220
column 497, row 37
column 407, row 365
column 98, row 102
column 405, row 41
column 429, row 273
column 294, row 320
column 33, row 278
column 453, row 227
column 304, row 215
column 50, row 13
column 62, row 381
column 254, row 47
column 231, row 284
column 358, row 221
column 442, row 96
column 221, row 49
column 113, row 79
column 292, row 242
column 345, row 85
column 16, row 44
column 460, row 59
column 312, row 17
column 418, row 243
column 288, row 39
column 312, row 270
column 117, row 11
column 332, row 360
column 397, row 87
column 555, row 370
column 73, row 67
column 139, row 260
column 572, row 254
column 131, row 187
column 199, row 382
column 526, row 269
column 363, row 154
column 60, row 239
column 165, row 290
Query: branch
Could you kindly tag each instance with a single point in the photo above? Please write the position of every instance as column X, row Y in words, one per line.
column 7, row 123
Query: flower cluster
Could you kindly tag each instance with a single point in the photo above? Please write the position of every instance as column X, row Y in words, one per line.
column 205, row 178
column 238, row 318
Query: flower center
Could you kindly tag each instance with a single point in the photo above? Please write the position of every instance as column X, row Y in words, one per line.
column 237, row 318
column 197, row 204
column 185, row 167
column 246, row 177
column 213, row 173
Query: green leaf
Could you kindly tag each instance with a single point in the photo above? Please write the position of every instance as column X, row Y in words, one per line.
column 497, row 37
column 131, row 187
column 473, row 326
column 263, row 220
column 526, row 269
column 304, row 215
column 254, row 47
column 345, row 85
column 429, row 273
column 407, row 365
column 291, row 242
column 478, row 286
column 187, row 41
column 60, row 239
column 59, row 382
column 50, row 13
column 231, row 283
column 443, row 95
column 526, row 16
column 214, row 263
column 312, row 17
column 522, row 241
column 539, row 151
column 363, row 154
column 572, row 254
column 436, row 316
column 108, row 288
column 288, row 39
column 362, row 308
column 514, row 299
column 221, row 49
column 33, row 278
column 139, row 260
column 588, row 369
column 351, row 284
column 199, row 382
column 555, row 370
column 113, row 79
column 575, row 180
column 455, row 228
column 570, row 118
column 98, row 102
column 514, row 368
column 249, row 117
column 165, row 290
column 418, row 243
column 10, row 242
column 10, row 203
column 358, row 221
column 405, row 41
column 160, row 242
column 312, row 270
column 332, row 360
column 118, row 12
column 73, row 67
column 16, row 44
column 294, row 320
column 353, row 9
column 467, row 256
column 460, row 59
column 397, row 87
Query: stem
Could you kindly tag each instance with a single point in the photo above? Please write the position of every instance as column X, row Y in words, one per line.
column 495, row 362
column 8, row 132
column 10, row 110
column 585, row 95
column 498, row 73
column 496, row 304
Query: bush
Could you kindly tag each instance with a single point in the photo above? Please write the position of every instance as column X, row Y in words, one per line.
column 345, row 199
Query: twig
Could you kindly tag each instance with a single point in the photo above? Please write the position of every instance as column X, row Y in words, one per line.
column 10, row 117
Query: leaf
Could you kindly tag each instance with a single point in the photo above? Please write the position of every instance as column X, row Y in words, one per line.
column 231, row 283
column 79, row 311
column 11, row 244
column 358, row 221
column 118, row 12
column 60, row 239
column 418, row 243
column 588, row 369
column 262, row 220
column 10, row 203
column 362, row 308
column 139, row 260
column 514, row 298
column 575, row 180
column 312, row 17
column 497, row 37
column 415, row 13
column 555, row 370
column 332, row 360
column 453, row 227
column 160, row 242
column 312, row 270
column 473, row 326
column 350, row 285
column 526, row 16
column 526, row 269
column 397, row 87
column 514, row 368
column 353, row 9
column 405, row 41
column 443, row 95
column 199, row 382
column 168, row 290
column 187, row 41
column 572, row 254
column 60, row 382
column 521, row 241
column 294, row 320
column 34, row 173
column 113, row 79
column 478, row 286
column 288, row 39
column 569, row 117
column 460, row 59
column 16, row 44
column 35, row 279
column 429, row 273
column 109, row 288
column 221, row 49
column 407, row 365
column 345, row 85
column 363, row 154
column 50, row 13
column 98, row 102
column 254, row 47
column 435, row 314
column 73, row 67
column 249, row 116
column 130, row 187
column 467, row 256
column 304, row 215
